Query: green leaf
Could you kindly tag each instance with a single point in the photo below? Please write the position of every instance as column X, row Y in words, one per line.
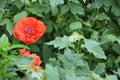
column 55, row 3
column 75, row 1
column 36, row 75
column 64, row 9
column 49, row 26
column 95, row 76
column 118, row 72
column 102, row 17
column 75, row 25
column 71, row 60
column 9, row 27
column 1, row 15
column 94, row 35
column 51, row 73
column 115, row 10
column 118, row 21
column 34, row 1
column 54, row 11
column 70, row 74
column 4, row 43
column 97, row 4
column 27, row 2
column 109, row 38
column 108, row 3
column 61, row 43
column 13, row 46
column 24, row 62
column 2, row 4
column 47, row 53
column 117, row 61
column 76, row 9
column 36, row 9
column 33, row 47
column 40, row 1
column 20, row 15
column 100, row 68
column 111, row 77
column 19, row 4
column 116, row 48
column 94, row 48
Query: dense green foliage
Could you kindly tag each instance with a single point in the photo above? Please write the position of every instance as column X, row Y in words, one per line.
column 82, row 41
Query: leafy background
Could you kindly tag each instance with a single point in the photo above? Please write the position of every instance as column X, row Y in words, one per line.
column 82, row 40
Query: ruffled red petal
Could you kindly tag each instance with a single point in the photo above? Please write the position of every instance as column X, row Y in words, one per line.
column 38, row 30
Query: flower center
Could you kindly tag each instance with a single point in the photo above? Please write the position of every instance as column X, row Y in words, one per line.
column 29, row 30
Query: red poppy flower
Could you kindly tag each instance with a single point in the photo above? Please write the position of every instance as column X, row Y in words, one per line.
column 24, row 52
column 29, row 30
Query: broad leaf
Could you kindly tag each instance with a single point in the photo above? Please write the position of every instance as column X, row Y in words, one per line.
column 9, row 27
column 71, row 60
column 76, row 9
column 61, row 43
column 2, row 4
column 75, row 25
column 20, row 15
column 102, row 17
column 109, row 38
column 54, row 3
column 100, row 68
column 51, row 73
column 111, row 77
column 94, row 48
column 47, row 53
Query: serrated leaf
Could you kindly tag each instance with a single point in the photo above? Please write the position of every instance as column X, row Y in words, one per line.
column 55, row 3
column 70, row 74
column 51, row 73
column 20, row 15
column 61, row 43
column 111, row 77
column 36, row 75
column 75, row 25
column 24, row 62
column 100, row 68
column 94, row 48
column 71, row 60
